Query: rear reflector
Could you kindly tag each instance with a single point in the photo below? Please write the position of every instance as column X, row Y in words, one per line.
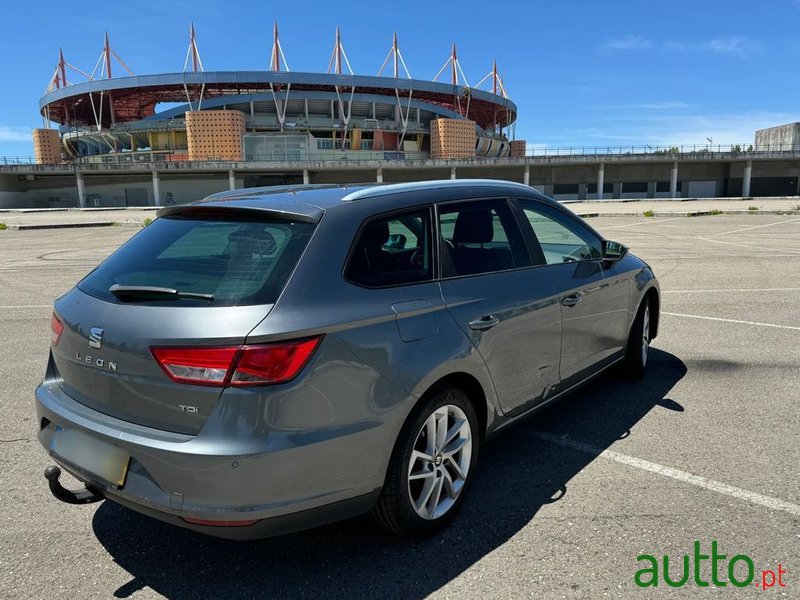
column 57, row 326
column 239, row 366
column 220, row 523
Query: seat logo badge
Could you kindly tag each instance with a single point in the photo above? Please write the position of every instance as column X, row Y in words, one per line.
column 96, row 337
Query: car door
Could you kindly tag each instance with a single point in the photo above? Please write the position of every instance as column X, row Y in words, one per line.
column 594, row 302
column 500, row 299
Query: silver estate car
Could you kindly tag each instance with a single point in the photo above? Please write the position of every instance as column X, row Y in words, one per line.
column 267, row 360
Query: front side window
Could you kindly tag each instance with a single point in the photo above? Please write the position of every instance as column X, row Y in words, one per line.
column 480, row 237
column 561, row 238
column 393, row 250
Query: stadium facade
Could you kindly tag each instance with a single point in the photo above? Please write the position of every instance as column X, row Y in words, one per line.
column 175, row 137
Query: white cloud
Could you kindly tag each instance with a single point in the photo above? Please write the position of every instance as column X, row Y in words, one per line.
column 735, row 45
column 732, row 45
column 14, row 134
column 687, row 130
column 666, row 105
column 739, row 45
column 628, row 42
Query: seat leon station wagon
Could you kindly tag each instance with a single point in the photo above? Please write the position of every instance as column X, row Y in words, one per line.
column 268, row 360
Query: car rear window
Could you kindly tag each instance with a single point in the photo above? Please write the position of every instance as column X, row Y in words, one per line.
column 239, row 262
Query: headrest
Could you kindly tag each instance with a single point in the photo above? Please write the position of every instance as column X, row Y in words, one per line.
column 375, row 235
column 262, row 243
column 473, row 227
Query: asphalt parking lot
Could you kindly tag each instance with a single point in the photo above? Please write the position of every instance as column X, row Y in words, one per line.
column 704, row 448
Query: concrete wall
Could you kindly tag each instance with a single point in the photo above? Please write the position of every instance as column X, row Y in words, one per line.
column 215, row 134
column 25, row 189
column 517, row 148
column 453, row 138
column 782, row 137
column 46, row 146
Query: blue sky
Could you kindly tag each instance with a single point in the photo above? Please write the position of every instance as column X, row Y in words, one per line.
column 582, row 72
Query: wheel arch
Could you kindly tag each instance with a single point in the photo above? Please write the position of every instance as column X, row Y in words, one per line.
column 652, row 296
column 470, row 385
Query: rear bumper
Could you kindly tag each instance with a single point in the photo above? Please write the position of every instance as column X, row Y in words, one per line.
column 287, row 481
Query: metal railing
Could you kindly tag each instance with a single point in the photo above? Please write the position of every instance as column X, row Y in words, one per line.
column 355, row 156
column 692, row 149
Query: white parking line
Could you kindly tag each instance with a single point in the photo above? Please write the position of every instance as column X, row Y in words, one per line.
column 641, row 222
column 677, row 474
column 732, row 321
column 757, row 226
column 762, row 248
column 728, row 256
column 795, row 289
column 26, row 306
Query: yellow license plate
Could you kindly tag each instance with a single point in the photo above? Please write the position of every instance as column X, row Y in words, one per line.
column 94, row 456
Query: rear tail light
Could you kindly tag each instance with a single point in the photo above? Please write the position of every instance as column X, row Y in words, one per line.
column 57, row 326
column 239, row 366
column 211, row 523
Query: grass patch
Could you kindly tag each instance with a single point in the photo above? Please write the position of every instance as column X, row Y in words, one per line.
column 715, row 211
column 147, row 221
column 649, row 213
column 752, row 208
column 3, row 226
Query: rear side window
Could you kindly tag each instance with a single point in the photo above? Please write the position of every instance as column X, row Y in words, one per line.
column 480, row 237
column 239, row 262
column 393, row 250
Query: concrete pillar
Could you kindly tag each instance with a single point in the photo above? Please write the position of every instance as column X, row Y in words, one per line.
column 601, row 180
column 582, row 191
column 748, row 175
column 81, row 189
column 252, row 109
column 673, row 181
column 452, row 172
column 527, row 177
column 231, row 180
column 617, row 193
column 156, row 190
column 651, row 189
column 306, row 177
column 379, row 177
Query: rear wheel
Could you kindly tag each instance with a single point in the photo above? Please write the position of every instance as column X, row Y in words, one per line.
column 431, row 467
column 638, row 349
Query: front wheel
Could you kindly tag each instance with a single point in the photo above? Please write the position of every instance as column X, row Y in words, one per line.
column 431, row 467
column 638, row 348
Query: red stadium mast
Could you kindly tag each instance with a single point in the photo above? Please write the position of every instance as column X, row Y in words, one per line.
column 455, row 68
column 193, row 52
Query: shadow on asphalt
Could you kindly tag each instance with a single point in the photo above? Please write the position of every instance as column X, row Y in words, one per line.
column 517, row 474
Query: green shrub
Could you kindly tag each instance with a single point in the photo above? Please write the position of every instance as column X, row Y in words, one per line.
column 147, row 222
column 715, row 211
column 3, row 226
column 752, row 208
column 649, row 213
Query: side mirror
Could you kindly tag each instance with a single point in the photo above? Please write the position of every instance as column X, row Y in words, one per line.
column 613, row 251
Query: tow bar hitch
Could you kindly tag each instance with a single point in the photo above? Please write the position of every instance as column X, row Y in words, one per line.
column 84, row 496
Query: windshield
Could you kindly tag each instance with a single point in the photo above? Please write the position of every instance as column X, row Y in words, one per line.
column 235, row 261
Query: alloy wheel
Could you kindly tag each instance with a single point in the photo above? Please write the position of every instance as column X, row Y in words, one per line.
column 440, row 462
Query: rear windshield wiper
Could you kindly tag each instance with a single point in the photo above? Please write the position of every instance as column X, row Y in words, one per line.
column 130, row 293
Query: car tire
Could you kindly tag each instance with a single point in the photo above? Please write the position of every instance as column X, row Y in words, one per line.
column 638, row 348
column 426, row 481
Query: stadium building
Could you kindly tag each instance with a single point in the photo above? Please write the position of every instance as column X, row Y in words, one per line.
column 138, row 140
column 274, row 115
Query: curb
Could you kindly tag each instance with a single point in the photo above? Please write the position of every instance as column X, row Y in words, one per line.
column 63, row 225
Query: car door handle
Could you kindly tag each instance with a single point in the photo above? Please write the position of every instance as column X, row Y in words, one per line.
column 483, row 323
column 571, row 300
